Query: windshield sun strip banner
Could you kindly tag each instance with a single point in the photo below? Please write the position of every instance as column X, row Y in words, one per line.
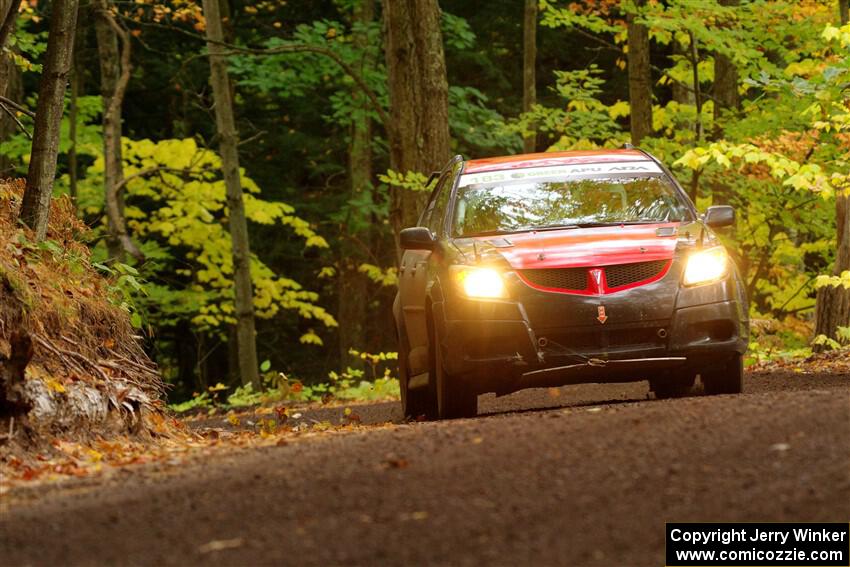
column 563, row 172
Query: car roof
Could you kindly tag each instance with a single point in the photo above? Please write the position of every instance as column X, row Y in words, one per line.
column 554, row 158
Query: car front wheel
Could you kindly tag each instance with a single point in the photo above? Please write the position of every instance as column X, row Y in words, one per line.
column 455, row 399
column 673, row 385
column 725, row 379
column 415, row 402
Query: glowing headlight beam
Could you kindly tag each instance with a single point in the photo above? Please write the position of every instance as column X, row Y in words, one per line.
column 706, row 266
column 484, row 283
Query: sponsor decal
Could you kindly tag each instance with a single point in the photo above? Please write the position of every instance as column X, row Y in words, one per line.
column 561, row 172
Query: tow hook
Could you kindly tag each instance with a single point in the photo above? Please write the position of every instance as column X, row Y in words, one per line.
column 518, row 360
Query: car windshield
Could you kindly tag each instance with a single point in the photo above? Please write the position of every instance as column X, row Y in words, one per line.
column 525, row 199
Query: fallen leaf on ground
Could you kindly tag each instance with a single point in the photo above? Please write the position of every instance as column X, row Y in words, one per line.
column 396, row 463
column 221, row 544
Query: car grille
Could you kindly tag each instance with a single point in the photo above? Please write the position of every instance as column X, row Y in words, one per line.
column 625, row 274
column 576, row 279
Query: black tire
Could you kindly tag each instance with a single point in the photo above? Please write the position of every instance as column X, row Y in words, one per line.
column 455, row 399
column 673, row 385
column 416, row 403
column 726, row 379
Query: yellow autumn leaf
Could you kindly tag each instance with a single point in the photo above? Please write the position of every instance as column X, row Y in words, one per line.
column 94, row 456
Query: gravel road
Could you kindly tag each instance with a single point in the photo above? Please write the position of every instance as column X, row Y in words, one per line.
column 584, row 475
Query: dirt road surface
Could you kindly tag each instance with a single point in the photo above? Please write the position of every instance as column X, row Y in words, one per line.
column 586, row 477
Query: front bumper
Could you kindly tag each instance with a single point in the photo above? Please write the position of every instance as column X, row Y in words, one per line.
column 500, row 348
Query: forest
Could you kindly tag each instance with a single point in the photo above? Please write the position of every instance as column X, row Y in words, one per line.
column 239, row 170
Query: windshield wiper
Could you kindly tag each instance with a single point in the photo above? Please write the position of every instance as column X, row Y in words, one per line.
column 548, row 227
column 502, row 231
column 496, row 232
column 618, row 223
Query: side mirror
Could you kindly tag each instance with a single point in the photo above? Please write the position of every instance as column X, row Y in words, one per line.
column 417, row 238
column 720, row 216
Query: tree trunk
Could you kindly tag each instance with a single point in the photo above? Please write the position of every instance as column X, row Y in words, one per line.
column 35, row 208
column 73, row 112
column 725, row 83
column 13, row 401
column 681, row 93
column 833, row 303
column 725, row 99
column 8, row 15
column 244, row 304
column 11, row 87
column 640, row 79
column 114, row 77
column 352, row 286
column 529, row 85
column 419, row 99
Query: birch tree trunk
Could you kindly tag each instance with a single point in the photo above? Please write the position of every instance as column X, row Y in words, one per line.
column 529, row 85
column 229, row 140
column 35, row 208
column 419, row 99
column 640, row 79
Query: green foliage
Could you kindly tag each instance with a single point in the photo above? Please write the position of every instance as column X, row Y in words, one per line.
column 197, row 401
column 300, row 74
column 457, row 34
column 386, row 277
column 176, row 204
column 350, row 384
column 126, row 286
column 782, row 174
column 89, row 138
column 409, row 180
column 26, row 44
column 843, row 334
column 476, row 127
column 842, row 280
column 584, row 121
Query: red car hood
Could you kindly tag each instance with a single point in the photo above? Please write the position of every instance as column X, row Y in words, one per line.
column 586, row 247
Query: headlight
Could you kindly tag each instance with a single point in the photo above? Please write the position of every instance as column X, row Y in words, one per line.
column 484, row 283
column 706, row 266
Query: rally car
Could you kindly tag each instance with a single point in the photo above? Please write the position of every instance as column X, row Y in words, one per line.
column 548, row 269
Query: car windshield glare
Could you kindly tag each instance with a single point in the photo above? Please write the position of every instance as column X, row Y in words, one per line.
column 514, row 205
